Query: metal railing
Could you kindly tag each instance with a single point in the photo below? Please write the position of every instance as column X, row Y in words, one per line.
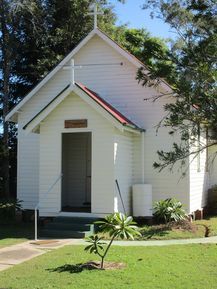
column 119, row 191
column 38, row 205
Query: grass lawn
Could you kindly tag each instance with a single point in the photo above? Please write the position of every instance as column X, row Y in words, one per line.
column 180, row 267
column 11, row 234
column 163, row 233
column 211, row 222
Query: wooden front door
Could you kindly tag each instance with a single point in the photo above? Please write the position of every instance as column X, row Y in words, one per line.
column 76, row 168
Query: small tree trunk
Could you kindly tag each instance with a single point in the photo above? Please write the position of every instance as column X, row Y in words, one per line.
column 106, row 251
column 102, row 263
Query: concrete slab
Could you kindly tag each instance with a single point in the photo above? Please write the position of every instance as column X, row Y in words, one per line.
column 49, row 244
column 209, row 240
column 4, row 267
column 16, row 254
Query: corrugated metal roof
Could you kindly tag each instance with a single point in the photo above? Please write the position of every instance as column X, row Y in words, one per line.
column 100, row 101
column 108, row 107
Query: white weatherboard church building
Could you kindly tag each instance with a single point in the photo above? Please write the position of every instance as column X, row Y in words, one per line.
column 86, row 125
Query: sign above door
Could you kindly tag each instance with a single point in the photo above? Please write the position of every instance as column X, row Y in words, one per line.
column 75, row 123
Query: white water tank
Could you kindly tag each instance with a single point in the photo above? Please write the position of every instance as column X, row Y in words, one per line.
column 142, row 200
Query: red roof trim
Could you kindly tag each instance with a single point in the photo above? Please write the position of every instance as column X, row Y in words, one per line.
column 109, row 108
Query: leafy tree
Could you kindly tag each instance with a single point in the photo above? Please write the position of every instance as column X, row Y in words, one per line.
column 152, row 51
column 10, row 20
column 193, row 55
column 34, row 36
column 118, row 226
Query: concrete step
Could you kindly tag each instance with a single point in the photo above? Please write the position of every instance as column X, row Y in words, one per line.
column 63, row 234
column 76, row 220
column 69, row 226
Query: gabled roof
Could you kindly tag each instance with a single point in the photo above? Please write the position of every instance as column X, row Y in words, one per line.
column 12, row 115
column 108, row 107
column 113, row 114
column 65, row 89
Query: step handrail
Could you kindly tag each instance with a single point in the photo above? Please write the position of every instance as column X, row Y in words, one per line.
column 119, row 191
column 37, row 206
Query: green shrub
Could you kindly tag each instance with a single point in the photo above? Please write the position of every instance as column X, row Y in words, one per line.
column 118, row 226
column 8, row 208
column 169, row 210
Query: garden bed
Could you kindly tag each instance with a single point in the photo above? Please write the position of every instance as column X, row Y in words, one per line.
column 197, row 229
column 11, row 234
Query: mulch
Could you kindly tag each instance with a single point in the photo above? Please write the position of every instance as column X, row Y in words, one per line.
column 95, row 265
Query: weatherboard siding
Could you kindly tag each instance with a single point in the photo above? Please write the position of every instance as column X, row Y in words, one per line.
column 28, row 169
column 114, row 82
column 102, row 155
column 137, row 177
column 28, row 144
column 165, row 184
column 123, row 161
column 118, row 85
column 199, row 181
column 212, row 166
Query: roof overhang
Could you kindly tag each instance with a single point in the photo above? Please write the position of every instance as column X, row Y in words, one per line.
column 164, row 86
column 117, row 119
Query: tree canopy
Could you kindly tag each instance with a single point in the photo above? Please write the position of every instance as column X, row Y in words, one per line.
column 34, row 36
column 193, row 55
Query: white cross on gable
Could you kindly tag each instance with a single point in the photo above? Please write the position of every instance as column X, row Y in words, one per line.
column 72, row 67
column 95, row 13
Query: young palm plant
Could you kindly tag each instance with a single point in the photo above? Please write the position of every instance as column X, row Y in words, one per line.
column 116, row 225
column 169, row 210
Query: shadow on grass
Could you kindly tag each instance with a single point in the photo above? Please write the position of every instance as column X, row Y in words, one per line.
column 155, row 231
column 75, row 268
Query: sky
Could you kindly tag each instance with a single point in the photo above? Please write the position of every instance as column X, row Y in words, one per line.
column 132, row 13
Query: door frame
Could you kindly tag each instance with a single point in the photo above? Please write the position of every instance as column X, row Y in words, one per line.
column 61, row 185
